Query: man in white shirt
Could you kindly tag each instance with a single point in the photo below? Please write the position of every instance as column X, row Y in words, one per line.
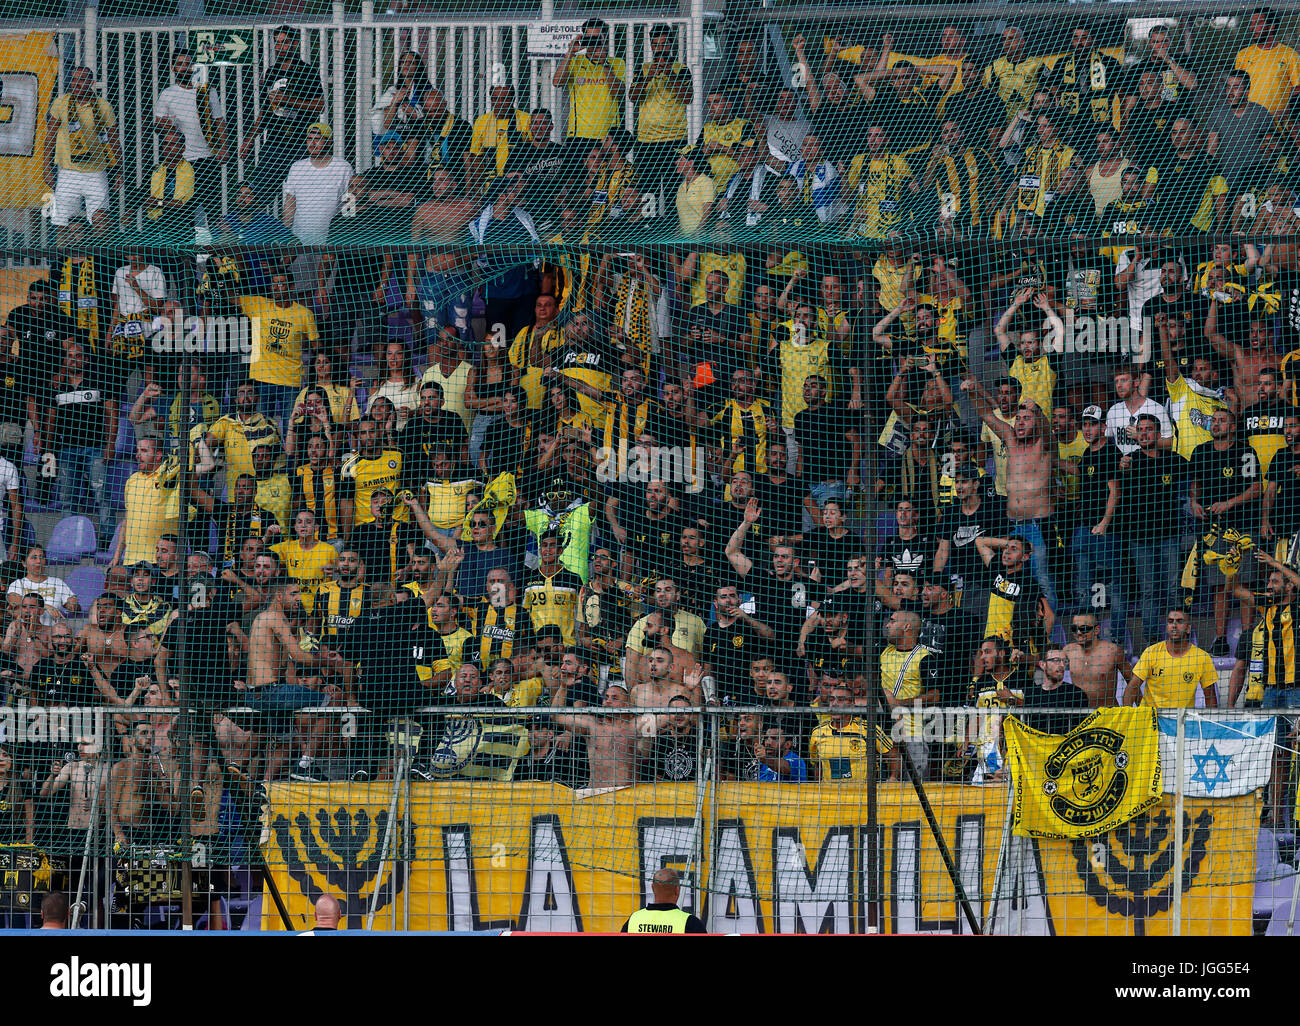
column 1122, row 418
column 11, row 512
column 314, row 190
column 189, row 106
column 1138, row 276
column 59, row 598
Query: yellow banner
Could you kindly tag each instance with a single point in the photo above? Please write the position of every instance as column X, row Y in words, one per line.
column 1101, row 774
column 29, row 71
column 758, row 858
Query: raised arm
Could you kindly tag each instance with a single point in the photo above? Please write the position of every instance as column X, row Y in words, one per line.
column 984, row 407
column 742, row 563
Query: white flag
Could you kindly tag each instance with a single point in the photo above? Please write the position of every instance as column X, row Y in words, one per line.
column 1221, row 757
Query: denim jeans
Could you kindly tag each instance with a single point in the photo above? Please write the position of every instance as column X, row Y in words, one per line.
column 1158, row 566
column 81, row 473
column 276, row 402
column 478, row 435
column 1097, row 561
column 1033, row 530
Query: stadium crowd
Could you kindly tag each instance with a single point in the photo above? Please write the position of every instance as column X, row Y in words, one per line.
column 620, row 473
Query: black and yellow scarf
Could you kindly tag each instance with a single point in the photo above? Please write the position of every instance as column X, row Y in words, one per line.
column 79, row 300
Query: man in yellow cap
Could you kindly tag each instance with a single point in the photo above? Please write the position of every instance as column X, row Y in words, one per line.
column 662, row 915
column 314, row 190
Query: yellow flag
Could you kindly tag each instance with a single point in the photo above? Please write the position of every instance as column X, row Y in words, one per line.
column 1086, row 782
column 29, row 67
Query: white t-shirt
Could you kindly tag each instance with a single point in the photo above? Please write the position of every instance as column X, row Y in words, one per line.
column 401, row 396
column 151, row 279
column 1145, row 285
column 181, row 106
column 1121, row 426
column 318, row 192
column 8, row 483
column 53, row 590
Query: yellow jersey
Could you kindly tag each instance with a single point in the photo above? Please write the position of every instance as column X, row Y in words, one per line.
column 81, row 142
column 841, row 753
column 879, row 185
column 901, row 676
column 446, row 503
column 999, row 447
column 361, row 476
column 146, row 518
column 799, row 362
column 592, row 110
column 278, row 334
column 1015, row 81
column 889, row 282
column 1072, row 450
column 1040, row 175
column 1191, row 408
column 306, row 565
column 1171, row 681
column 662, row 115
column 722, row 165
column 553, row 601
column 238, row 438
column 745, row 434
column 733, row 265
column 275, row 494
column 1274, row 73
column 493, row 133
column 1037, row 381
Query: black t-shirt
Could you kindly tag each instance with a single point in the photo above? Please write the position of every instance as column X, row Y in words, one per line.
column 1097, row 468
column 673, row 757
column 782, row 504
column 55, row 683
column 961, row 529
column 41, row 334
column 656, row 541
column 1284, row 471
column 1262, row 422
column 1149, row 492
column 1182, row 186
column 78, row 417
column 911, row 555
column 952, row 638
column 420, row 436
column 537, row 167
column 1066, row 696
column 204, row 651
column 782, row 605
column 1223, row 475
column 285, row 124
column 1288, row 289
column 823, row 443
column 728, row 650
column 696, row 584
column 824, row 655
column 390, row 643
column 832, row 555
column 503, row 448
column 124, row 676
column 374, row 542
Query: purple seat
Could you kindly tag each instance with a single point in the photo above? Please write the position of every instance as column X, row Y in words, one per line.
column 72, row 540
column 115, row 477
column 87, row 583
column 104, row 558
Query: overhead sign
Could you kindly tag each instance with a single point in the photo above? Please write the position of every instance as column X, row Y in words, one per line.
column 222, row 46
column 551, row 38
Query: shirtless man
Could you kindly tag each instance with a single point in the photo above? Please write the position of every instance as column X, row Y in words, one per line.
column 272, row 646
column 141, row 802
column 663, row 679
column 83, row 776
column 1094, row 663
column 102, row 638
column 1031, row 473
column 28, row 640
column 611, row 740
column 1248, row 360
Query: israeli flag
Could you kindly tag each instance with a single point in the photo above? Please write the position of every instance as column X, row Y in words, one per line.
column 1221, row 757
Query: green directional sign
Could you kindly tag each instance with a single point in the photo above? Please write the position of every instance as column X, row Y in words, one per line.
column 222, row 46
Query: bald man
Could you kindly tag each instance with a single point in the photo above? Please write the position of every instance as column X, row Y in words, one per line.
column 328, row 914
column 662, row 915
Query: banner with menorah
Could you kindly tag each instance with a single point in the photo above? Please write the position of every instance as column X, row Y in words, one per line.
column 770, row 858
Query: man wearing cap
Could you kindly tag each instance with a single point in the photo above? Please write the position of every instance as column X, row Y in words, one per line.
column 1098, row 581
column 662, row 915
column 974, row 514
column 315, row 188
column 695, row 194
column 291, row 99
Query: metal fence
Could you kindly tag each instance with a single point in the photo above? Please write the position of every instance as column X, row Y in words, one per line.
column 469, row 829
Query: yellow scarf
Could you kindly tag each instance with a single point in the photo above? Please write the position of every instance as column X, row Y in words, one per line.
column 79, row 300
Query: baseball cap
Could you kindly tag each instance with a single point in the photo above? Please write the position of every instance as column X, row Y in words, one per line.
column 383, row 140
column 319, row 126
column 143, row 567
column 1092, row 413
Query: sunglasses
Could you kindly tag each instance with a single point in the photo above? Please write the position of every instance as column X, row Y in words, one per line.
column 1083, row 628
